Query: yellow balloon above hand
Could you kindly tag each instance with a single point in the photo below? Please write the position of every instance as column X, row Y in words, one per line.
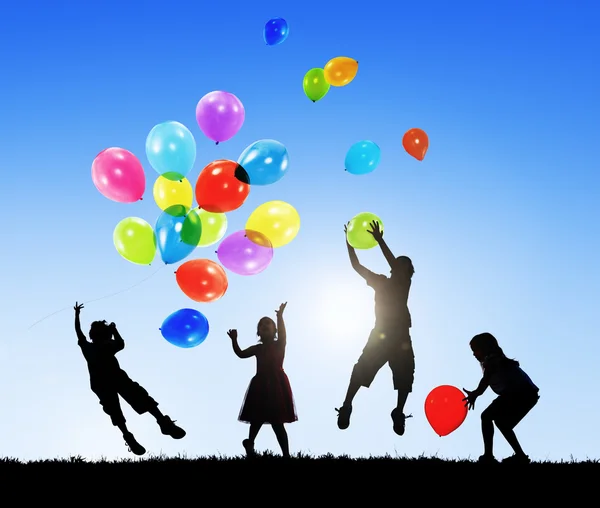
column 172, row 189
column 214, row 226
column 277, row 220
column 340, row 71
column 135, row 240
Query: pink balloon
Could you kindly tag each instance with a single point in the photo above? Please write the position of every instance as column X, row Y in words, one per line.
column 220, row 115
column 119, row 175
column 245, row 252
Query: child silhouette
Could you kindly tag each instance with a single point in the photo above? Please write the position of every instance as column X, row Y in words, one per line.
column 517, row 395
column 389, row 341
column 269, row 398
column 108, row 381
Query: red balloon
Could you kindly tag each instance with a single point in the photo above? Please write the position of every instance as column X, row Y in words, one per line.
column 202, row 280
column 416, row 143
column 222, row 186
column 445, row 409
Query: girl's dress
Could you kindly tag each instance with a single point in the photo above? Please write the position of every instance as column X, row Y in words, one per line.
column 269, row 397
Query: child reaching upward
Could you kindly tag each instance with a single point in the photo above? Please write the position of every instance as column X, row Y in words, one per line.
column 517, row 395
column 269, row 397
column 108, row 381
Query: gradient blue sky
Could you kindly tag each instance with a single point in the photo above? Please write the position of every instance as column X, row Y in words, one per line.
column 500, row 219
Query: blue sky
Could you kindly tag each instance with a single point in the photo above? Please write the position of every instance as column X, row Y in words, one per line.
column 500, row 219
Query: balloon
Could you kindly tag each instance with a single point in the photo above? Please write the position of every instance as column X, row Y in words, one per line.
column 362, row 157
column 171, row 148
column 119, row 175
column 277, row 220
column 445, row 410
column 222, row 186
column 358, row 231
column 135, row 240
column 276, row 31
column 220, row 115
column 214, row 226
column 245, row 252
column 185, row 328
column 173, row 189
column 172, row 226
column 202, row 280
column 340, row 71
column 264, row 161
column 416, row 143
column 315, row 86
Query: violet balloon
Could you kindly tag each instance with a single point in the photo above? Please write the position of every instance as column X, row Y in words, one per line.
column 220, row 115
column 245, row 252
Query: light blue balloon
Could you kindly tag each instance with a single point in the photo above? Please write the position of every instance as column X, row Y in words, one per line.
column 171, row 147
column 168, row 235
column 265, row 161
column 362, row 158
column 185, row 328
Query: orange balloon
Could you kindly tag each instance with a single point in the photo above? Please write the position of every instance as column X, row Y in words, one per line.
column 416, row 143
column 222, row 186
column 340, row 71
column 202, row 280
column 445, row 409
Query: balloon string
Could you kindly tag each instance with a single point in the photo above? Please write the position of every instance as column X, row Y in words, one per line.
column 102, row 297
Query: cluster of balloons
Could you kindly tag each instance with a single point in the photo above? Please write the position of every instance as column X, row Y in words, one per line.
column 276, row 31
column 445, row 409
column 339, row 71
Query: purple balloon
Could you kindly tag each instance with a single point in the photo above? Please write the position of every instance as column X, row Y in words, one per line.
column 245, row 252
column 220, row 115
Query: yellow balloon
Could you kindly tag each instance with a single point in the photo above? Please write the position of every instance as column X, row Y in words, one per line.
column 277, row 220
column 169, row 191
column 340, row 71
column 214, row 226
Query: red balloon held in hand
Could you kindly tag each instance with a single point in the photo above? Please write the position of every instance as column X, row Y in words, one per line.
column 445, row 409
column 222, row 186
column 416, row 143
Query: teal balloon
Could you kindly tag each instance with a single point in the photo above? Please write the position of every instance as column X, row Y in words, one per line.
column 171, row 225
column 185, row 328
column 362, row 157
column 265, row 161
column 171, row 148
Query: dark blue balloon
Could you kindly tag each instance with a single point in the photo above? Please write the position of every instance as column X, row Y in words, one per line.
column 276, row 31
column 185, row 328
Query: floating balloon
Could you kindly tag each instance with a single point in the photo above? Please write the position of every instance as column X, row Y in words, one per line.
column 245, row 252
column 135, row 240
column 214, row 226
column 416, row 143
column 178, row 233
column 445, row 409
column 358, row 231
column 315, row 85
column 173, row 189
column 340, row 71
column 119, row 175
column 276, row 31
column 265, row 162
column 202, row 280
column 277, row 220
column 220, row 115
column 362, row 157
column 222, row 186
column 185, row 328
column 171, row 148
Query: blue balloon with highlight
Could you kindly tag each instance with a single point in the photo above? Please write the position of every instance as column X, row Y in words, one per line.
column 362, row 157
column 265, row 162
column 276, row 31
column 170, row 226
column 171, row 148
column 185, row 328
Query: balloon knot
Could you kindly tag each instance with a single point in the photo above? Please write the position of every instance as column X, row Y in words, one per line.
column 217, row 143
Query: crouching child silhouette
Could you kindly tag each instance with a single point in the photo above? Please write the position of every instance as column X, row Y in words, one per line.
column 108, row 380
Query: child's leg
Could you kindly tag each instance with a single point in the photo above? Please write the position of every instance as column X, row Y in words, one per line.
column 282, row 438
column 249, row 443
column 487, row 430
column 402, row 365
column 514, row 411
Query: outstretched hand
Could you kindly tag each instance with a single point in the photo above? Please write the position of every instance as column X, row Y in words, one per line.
column 469, row 400
column 78, row 307
column 279, row 312
column 376, row 230
column 232, row 334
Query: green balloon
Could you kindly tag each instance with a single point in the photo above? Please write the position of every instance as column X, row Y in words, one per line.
column 191, row 229
column 358, row 229
column 135, row 240
column 214, row 227
column 315, row 85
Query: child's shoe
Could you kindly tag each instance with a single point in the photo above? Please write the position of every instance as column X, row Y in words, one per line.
column 487, row 459
column 249, row 447
column 399, row 420
column 344, row 412
column 168, row 428
column 517, row 459
column 133, row 445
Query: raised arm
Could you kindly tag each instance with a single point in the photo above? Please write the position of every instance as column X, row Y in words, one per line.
column 365, row 273
column 378, row 235
column 80, row 336
column 281, row 335
column 241, row 353
column 119, row 343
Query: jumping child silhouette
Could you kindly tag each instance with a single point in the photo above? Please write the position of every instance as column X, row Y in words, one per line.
column 108, row 381
column 517, row 395
column 389, row 341
column 269, row 398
